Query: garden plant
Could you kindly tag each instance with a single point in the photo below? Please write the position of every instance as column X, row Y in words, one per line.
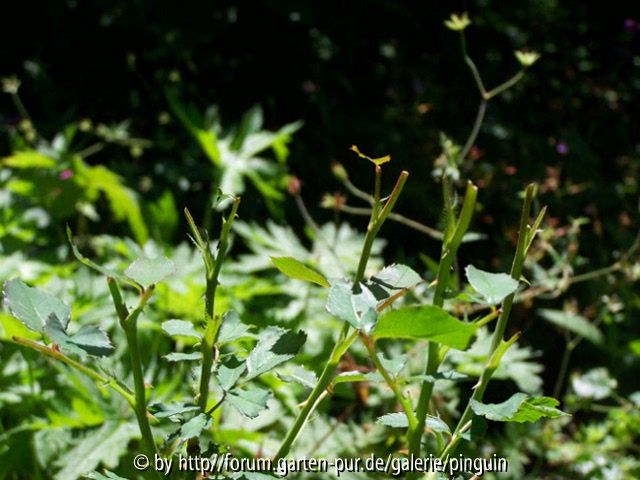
column 246, row 350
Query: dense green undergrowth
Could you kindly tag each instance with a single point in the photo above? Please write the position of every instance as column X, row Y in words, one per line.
column 250, row 339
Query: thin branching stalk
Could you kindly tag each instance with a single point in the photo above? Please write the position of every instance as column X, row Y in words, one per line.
column 101, row 380
column 129, row 323
column 498, row 345
column 450, row 247
column 404, row 402
column 346, row 337
column 212, row 267
column 396, row 217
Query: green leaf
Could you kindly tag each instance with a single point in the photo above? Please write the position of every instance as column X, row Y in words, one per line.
column 399, row 420
column 274, row 347
column 426, row 322
column 182, row 328
column 168, row 410
column 500, row 412
column 88, row 339
column 194, row 124
column 449, row 375
column 29, row 159
column 163, row 214
column 249, row 402
column 194, row 427
column 574, row 323
column 596, row 384
column 519, row 408
column 536, row 408
column 150, row 271
column 98, row 268
column 357, row 376
column 437, row 424
column 181, row 357
column 100, row 446
column 251, row 123
column 359, row 309
column 494, row 287
column 122, row 200
column 299, row 375
column 231, row 328
column 392, row 279
column 33, row 306
column 393, row 365
column 297, row 270
column 230, row 371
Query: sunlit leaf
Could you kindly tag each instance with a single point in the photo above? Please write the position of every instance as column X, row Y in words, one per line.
column 232, row 328
column 28, row 159
column 426, row 322
column 519, row 408
column 182, row 328
column 392, row 279
column 595, row 384
column 299, row 375
column 230, row 371
column 150, row 271
column 399, row 420
column 359, row 309
column 357, row 376
column 194, row 427
column 249, row 402
column 91, row 264
column 393, row 365
column 32, row 306
column 297, row 270
column 89, row 339
column 173, row 409
column 122, row 200
column 181, row 357
column 275, row 346
column 101, row 446
column 494, row 287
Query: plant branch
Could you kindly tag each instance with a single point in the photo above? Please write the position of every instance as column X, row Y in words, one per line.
column 498, row 345
column 472, row 65
column 97, row 377
column 346, row 337
column 404, row 402
column 129, row 322
column 213, row 267
column 450, row 247
column 474, row 132
column 503, row 87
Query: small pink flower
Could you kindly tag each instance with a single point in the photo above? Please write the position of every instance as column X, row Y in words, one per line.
column 66, row 174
